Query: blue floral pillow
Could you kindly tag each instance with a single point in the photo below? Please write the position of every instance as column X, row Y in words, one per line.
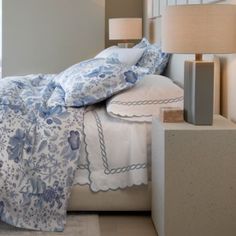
column 154, row 59
column 92, row 81
column 142, row 44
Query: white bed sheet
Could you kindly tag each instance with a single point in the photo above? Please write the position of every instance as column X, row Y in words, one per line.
column 115, row 154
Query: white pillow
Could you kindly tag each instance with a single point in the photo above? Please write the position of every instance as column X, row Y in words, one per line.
column 129, row 56
column 145, row 99
column 105, row 52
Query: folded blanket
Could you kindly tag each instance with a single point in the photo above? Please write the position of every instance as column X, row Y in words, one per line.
column 39, row 151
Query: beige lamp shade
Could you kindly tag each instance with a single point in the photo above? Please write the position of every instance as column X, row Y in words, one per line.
column 125, row 28
column 199, row 29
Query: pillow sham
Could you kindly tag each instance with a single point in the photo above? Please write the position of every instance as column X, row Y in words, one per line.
column 91, row 81
column 154, row 59
column 146, row 99
column 129, row 56
column 142, row 44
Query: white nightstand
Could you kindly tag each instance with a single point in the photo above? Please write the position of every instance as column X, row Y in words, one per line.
column 194, row 178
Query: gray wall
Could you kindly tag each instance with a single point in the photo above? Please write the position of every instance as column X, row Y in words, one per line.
column 47, row 36
column 122, row 8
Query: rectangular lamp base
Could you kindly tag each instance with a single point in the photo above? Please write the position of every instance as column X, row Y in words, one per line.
column 198, row 92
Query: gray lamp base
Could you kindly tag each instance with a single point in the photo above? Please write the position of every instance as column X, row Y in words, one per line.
column 198, row 92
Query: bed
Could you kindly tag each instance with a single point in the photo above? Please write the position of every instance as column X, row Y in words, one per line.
column 91, row 135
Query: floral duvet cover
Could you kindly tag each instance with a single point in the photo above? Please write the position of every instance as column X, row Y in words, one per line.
column 39, row 148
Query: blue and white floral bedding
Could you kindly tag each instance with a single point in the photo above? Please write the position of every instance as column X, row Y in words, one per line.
column 39, row 149
column 40, row 140
column 92, row 81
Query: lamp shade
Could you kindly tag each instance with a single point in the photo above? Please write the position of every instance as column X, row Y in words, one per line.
column 125, row 28
column 199, row 29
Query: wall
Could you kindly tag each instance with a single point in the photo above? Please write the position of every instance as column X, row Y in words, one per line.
column 47, row 36
column 152, row 27
column 120, row 9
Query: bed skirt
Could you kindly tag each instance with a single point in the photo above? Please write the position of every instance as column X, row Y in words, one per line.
column 137, row 198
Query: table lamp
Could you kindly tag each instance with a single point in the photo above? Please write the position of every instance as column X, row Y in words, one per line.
column 199, row 29
column 125, row 29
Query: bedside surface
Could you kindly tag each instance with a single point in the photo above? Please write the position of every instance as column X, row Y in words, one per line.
column 194, row 178
column 219, row 123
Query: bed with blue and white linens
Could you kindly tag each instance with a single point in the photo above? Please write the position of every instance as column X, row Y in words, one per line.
column 79, row 140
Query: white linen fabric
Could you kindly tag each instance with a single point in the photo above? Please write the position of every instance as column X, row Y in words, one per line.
column 115, row 153
column 146, row 99
column 104, row 53
column 128, row 56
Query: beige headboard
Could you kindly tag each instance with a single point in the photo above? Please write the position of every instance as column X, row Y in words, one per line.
column 228, row 83
column 228, row 86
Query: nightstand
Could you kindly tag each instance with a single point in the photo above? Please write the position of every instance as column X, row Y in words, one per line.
column 194, row 178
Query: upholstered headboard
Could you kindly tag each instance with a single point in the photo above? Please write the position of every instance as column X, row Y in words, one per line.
column 228, row 83
column 175, row 69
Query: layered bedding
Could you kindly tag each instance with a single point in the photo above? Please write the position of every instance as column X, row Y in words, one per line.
column 55, row 133
column 41, row 125
column 116, row 147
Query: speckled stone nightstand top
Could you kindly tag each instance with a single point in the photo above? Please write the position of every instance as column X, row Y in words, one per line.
column 194, row 178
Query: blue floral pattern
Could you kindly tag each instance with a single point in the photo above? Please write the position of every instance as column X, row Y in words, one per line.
column 40, row 138
column 142, row 44
column 153, row 58
column 39, row 153
column 92, row 81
